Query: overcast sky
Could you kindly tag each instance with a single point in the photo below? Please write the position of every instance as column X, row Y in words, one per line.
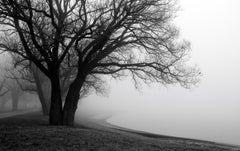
column 210, row 111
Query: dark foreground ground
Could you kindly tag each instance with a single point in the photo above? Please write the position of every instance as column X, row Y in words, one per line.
column 30, row 132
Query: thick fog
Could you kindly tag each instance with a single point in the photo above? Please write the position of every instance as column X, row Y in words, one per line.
column 210, row 111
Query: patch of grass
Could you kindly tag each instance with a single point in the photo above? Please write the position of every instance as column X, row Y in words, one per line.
column 31, row 132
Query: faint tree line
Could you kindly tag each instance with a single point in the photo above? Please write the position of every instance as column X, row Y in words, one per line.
column 11, row 95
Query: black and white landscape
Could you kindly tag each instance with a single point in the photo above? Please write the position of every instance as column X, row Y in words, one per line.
column 119, row 75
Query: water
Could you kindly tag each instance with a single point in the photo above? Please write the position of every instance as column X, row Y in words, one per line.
column 212, row 113
column 203, row 128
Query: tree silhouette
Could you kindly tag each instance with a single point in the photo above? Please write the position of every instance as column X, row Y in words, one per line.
column 30, row 79
column 2, row 91
column 10, row 87
column 118, row 37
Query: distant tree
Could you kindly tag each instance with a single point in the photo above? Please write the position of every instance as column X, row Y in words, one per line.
column 30, row 79
column 10, row 87
column 118, row 38
column 3, row 90
column 15, row 93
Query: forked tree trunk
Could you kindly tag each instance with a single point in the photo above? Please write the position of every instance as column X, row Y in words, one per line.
column 43, row 102
column 37, row 75
column 41, row 97
column 55, row 116
column 71, row 101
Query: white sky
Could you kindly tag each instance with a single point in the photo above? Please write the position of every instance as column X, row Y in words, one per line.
column 210, row 111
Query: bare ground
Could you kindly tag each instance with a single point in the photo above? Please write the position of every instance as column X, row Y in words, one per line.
column 30, row 132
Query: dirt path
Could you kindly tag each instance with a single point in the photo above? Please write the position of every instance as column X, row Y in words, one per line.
column 31, row 132
column 100, row 123
column 9, row 114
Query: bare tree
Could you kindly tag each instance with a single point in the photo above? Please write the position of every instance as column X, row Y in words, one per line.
column 15, row 92
column 118, row 37
column 30, row 79
column 3, row 90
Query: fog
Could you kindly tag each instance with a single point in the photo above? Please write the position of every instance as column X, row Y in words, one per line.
column 12, row 96
column 211, row 111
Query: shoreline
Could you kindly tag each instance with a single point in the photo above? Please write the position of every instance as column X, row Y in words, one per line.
column 156, row 135
column 103, row 121
column 31, row 131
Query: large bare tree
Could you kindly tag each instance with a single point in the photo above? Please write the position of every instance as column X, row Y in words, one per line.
column 113, row 37
column 30, row 79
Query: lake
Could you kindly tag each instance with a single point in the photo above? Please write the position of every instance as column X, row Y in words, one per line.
column 203, row 128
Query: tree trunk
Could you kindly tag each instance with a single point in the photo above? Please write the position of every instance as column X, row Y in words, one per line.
column 41, row 97
column 71, row 101
column 55, row 116
column 43, row 102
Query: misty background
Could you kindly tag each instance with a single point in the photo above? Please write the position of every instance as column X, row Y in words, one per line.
column 211, row 111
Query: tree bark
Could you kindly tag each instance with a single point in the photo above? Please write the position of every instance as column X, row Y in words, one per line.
column 55, row 116
column 43, row 102
column 71, row 101
column 41, row 97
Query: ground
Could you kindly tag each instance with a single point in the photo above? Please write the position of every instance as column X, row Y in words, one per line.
column 30, row 132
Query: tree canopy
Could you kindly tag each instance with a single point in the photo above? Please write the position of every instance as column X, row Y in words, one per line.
column 112, row 37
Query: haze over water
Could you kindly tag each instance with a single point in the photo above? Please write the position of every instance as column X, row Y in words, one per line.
column 210, row 111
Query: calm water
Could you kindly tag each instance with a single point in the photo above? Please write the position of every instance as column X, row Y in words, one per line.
column 202, row 114
column 218, row 130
